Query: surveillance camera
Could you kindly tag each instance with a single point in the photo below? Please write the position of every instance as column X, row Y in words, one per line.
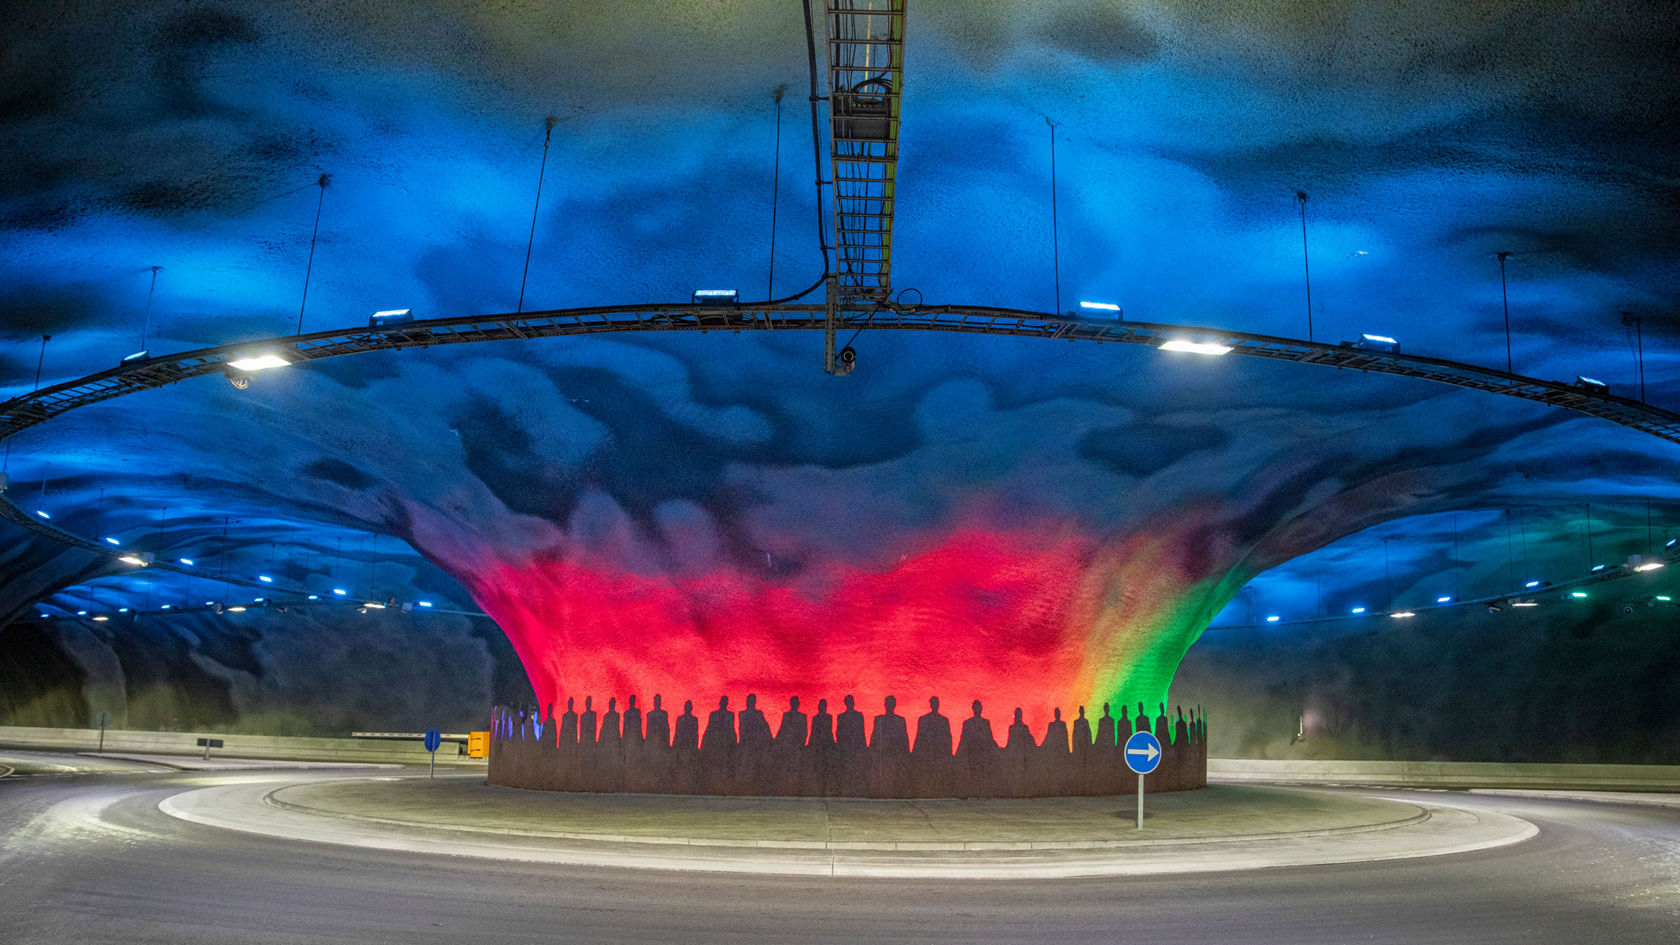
column 847, row 361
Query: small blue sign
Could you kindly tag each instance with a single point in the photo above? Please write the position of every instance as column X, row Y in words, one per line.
column 1143, row 753
column 434, row 738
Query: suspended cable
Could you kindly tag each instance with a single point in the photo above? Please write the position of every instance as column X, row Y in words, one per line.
column 310, row 267
column 530, row 241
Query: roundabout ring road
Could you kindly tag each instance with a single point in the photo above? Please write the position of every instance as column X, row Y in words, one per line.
column 91, row 858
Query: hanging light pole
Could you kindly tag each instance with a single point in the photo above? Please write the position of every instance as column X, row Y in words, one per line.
column 542, row 168
column 6, row 464
column 1630, row 319
column 146, row 327
column 775, row 192
column 1306, row 266
column 310, row 266
column 1505, row 296
column 1055, row 240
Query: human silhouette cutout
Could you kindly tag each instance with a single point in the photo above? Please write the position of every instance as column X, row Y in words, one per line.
column 1125, row 726
column 587, row 727
column 1056, row 734
column 1081, row 732
column 687, row 731
column 1163, row 728
column 1019, row 735
column 933, row 732
column 891, row 732
column 1181, row 731
column 1105, row 727
column 976, row 733
column 792, row 732
column 658, row 725
column 632, row 723
column 569, row 725
column 610, row 731
column 822, row 727
column 755, row 728
column 1142, row 718
column 720, row 728
column 848, row 729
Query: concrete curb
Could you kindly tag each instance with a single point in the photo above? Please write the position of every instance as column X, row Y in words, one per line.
column 924, row 846
column 1441, row 829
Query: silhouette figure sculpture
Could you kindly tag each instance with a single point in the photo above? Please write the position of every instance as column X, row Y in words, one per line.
column 1056, row 735
column 687, row 733
column 569, row 725
column 720, row 729
column 610, row 731
column 1125, row 726
column 822, row 727
column 976, row 733
column 933, row 732
column 1163, row 728
column 1181, row 731
column 891, row 732
column 1142, row 718
column 755, row 728
column 633, row 724
column 792, row 732
column 1019, row 735
column 658, row 726
column 1105, row 727
column 587, row 728
column 1081, row 732
column 848, row 729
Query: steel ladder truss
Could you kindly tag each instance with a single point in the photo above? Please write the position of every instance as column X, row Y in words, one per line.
column 866, row 83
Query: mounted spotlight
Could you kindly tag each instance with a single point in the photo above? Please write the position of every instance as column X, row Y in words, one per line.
column 239, row 370
column 1368, row 342
column 137, row 356
column 1195, row 347
column 1103, row 308
column 392, row 316
column 1496, row 606
column 716, row 296
column 1591, row 384
column 846, row 362
column 139, row 560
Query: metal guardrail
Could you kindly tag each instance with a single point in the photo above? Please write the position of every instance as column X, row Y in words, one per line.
column 26, row 411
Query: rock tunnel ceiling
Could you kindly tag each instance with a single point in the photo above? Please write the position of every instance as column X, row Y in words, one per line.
column 1031, row 522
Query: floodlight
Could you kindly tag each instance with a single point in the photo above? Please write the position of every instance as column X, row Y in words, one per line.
column 187, row 561
column 374, row 604
column 1532, row 584
column 112, row 541
column 716, row 295
column 391, row 316
column 122, row 610
column 1664, row 598
column 1101, row 307
column 167, row 607
column 1444, row 600
column 43, row 513
column 265, row 579
column 314, row 597
column 1274, row 618
column 1379, row 339
column 1195, row 347
column 1358, row 610
column 1591, row 383
column 340, row 591
column 236, row 609
column 258, row 362
column 1525, row 603
column 101, row 618
column 137, row 356
column 1578, row 595
column 81, row 613
column 425, row 603
column 1403, row 613
column 135, row 560
column 1649, row 566
column 1598, row 567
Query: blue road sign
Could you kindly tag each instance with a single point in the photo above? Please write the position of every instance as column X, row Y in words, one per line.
column 1143, row 752
column 434, row 738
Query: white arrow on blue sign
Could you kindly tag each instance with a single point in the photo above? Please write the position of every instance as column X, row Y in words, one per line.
column 1143, row 752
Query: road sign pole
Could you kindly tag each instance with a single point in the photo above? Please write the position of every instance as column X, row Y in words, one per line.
column 1140, row 802
column 432, row 771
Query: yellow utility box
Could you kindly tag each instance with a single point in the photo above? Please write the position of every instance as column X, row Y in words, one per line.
column 478, row 744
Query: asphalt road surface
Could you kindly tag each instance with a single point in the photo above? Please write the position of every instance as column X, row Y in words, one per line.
column 87, row 857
